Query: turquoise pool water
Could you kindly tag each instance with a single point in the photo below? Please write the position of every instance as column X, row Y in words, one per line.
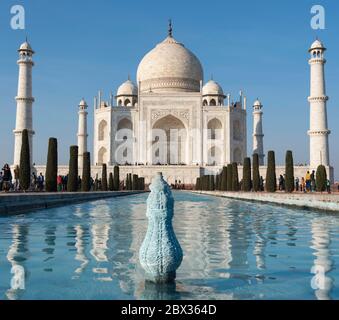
column 232, row 250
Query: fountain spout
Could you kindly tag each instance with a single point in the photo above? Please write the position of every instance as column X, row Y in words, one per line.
column 160, row 254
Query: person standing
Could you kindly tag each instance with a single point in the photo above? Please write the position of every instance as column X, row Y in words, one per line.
column 34, row 182
column 313, row 181
column 1, row 180
column 261, row 184
column 16, row 178
column 308, row 181
column 59, row 183
column 41, row 181
column 328, row 186
column 297, row 184
column 7, row 178
column 303, row 185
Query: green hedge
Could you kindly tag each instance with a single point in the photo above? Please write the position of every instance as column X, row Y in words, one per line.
column 246, row 180
column 72, row 182
column 271, row 179
column 289, row 172
column 256, row 173
column 25, row 163
column 86, row 173
column 52, row 166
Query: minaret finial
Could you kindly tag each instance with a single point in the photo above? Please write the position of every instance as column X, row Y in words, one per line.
column 170, row 28
column 129, row 77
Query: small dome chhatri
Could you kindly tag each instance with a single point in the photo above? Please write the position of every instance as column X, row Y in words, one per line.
column 128, row 88
column 26, row 47
column 212, row 88
column 170, row 67
column 317, row 44
column 83, row 104
column 257, row 105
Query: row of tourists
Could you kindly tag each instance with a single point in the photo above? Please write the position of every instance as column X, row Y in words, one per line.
column 9, row 182
column 305, row 184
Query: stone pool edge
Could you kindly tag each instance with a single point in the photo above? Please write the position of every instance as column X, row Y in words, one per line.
column 324, row 202
column 14, row 204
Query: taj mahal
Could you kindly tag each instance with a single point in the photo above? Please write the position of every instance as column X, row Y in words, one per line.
column 171, row 118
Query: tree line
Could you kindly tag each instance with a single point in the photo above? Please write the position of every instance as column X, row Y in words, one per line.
column 228, row 179
column 109, row 182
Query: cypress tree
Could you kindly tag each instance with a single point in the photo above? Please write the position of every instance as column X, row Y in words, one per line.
column 211, row 183
column 271, row 179
column 104, row 186
column 207, row 182
column 229, row 177
column 235, row 177
column 135, row 182
column 127, row 182
column 217, row 182
column 197, row 184
column 223, row 186
column 116, row 178
column 140, row 184
column 86, row 173
column 72, row 182
column 52, row 166
column 25, row 162
column 246, row 180
column 202, row 182
column 110, row 182
column 289, row 172
column 256, row 173
column 321, row 178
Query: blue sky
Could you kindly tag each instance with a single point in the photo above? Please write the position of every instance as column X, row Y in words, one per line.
column 83, row 46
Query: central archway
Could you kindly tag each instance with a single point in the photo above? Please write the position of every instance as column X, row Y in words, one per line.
column 169, row 139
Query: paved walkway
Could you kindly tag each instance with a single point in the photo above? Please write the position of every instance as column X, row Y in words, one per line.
column 16, row 203
column 325, row 202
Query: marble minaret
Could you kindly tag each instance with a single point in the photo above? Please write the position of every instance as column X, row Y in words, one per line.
column 24, row 115
column 82, row 131
column 258, row 136
column 319, row 132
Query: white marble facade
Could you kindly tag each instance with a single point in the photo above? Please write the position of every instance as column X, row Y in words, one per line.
column 169, row 117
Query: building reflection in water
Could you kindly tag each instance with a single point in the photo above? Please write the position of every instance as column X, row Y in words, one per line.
column 17, row 255
column 50, row 237
column 322, row 283
column 128, row 238
column 80, row 244
column 260, row 241
column 100, row 231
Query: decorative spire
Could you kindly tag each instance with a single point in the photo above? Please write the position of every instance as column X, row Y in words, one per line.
column 170, row 28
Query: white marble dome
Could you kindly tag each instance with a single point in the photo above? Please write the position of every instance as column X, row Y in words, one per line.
column 212, row 88
column 128, row 88
column 170, row 67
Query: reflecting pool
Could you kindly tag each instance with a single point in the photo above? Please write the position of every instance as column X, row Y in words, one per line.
column 232, row 250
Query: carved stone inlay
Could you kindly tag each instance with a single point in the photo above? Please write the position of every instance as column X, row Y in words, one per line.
column 169, row 102
column 181, row 114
